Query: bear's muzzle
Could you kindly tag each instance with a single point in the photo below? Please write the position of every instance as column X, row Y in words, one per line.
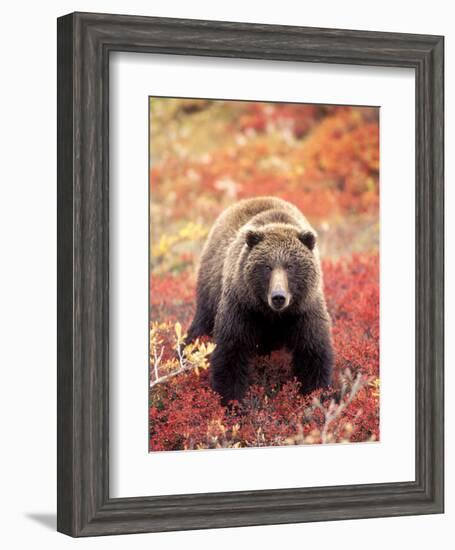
column 278, row 296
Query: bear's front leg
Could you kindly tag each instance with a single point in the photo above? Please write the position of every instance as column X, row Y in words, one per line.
column 229, row 372
column 229, row 361
column 313, row 355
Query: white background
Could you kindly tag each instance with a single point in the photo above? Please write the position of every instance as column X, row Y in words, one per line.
column 133, row 78
column 28, row 274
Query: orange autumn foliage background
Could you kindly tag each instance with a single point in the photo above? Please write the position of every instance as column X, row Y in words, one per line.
column 206, row 155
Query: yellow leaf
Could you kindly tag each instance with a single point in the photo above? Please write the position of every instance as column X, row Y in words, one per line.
column 178, row 330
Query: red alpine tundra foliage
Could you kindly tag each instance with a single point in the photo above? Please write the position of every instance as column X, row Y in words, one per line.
column 325, row 160
column 186, row 414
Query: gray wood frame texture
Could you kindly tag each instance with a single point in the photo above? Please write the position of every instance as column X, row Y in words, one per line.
column 84, row 43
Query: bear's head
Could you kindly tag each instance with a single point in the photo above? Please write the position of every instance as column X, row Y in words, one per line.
column 281, row 270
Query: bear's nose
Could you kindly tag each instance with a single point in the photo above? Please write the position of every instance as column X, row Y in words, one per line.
column 278, row 299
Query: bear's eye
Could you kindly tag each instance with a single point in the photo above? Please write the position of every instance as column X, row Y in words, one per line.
column 290, row 267
column 268, row 268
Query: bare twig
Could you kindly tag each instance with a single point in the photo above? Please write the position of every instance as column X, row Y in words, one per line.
column 334, row 411
column 168, row 376
column 157, row 360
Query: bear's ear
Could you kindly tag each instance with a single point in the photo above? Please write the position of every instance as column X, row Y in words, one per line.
column 308, row 239
column 253, row 237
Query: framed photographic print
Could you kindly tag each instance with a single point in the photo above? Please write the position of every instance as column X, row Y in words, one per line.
column 250, row 274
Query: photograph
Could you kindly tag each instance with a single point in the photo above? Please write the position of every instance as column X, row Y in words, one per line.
column 264, row 242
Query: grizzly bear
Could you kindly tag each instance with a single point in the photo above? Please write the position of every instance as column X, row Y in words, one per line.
column 259, row 289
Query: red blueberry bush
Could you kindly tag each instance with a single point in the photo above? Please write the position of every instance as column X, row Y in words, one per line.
column 186, row 414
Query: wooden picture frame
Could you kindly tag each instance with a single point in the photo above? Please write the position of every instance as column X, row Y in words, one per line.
column 84, row 44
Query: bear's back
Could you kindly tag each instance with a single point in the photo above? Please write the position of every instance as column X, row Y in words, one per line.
column 258, row 211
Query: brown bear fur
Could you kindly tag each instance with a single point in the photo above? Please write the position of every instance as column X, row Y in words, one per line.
column 260, row 254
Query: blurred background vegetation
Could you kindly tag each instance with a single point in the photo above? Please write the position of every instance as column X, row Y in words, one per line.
column 207, row 154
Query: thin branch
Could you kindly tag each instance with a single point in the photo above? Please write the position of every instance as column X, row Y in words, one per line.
column 334, row 412
column 157, row 360
column 166, row 377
